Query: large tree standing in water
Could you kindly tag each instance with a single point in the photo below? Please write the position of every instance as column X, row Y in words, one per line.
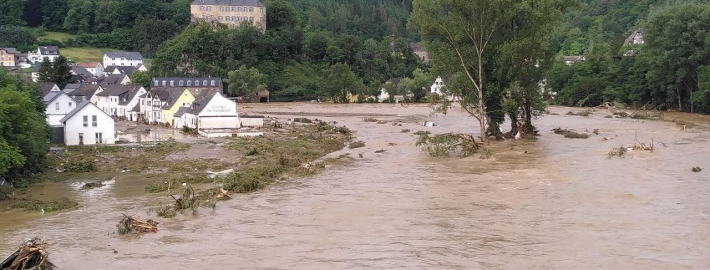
column 467, row 39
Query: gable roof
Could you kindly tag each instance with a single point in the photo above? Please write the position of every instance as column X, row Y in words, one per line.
column 46, row 87
column 49, row 50
column 108, row 80
column 85, row 90
column 573, row 58
column 114, row 90
column 53, row 95
column 137, row 108
column 127, row 70
column 171, row 96
column 394, row 81
column 81, row 71
column 89, row 64
column 134, row 90
column 204, row 101
column 71, row 87
column 127, row 55
column 10, row 50
column 250, row 3
column 181, row 111
column 78, row 109
column 630, row 39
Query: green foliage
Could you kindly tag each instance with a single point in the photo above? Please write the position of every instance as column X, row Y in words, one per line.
column 57, row 72
column 245, row 82
column 340, row 80
column 141, row 78
column 24, row 133
column 149, row 33
column 12, row 12
column 51, row 206
column 16, row 37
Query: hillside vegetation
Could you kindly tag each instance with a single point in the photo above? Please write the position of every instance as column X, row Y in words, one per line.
column 306, row 38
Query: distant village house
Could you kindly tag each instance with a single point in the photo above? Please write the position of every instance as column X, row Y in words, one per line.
column 229, row 12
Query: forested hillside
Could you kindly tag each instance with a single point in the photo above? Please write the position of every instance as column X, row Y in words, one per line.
column 668, row 71
column 305, row 38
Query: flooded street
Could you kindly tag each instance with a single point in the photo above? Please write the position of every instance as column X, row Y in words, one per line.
column 554, row 203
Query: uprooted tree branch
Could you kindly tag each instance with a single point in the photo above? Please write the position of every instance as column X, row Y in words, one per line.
column 31, row 255
column 445, row 145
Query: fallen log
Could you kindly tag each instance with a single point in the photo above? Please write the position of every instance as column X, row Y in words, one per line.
column 30, row 255
column 130, row 224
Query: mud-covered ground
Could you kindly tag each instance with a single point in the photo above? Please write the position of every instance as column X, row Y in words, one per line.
column 546, row 203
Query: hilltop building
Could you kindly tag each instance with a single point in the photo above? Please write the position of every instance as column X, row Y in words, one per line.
column 230, row 12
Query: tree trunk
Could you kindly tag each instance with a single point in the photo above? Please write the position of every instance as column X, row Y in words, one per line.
column 513, row 123
column 481, row 103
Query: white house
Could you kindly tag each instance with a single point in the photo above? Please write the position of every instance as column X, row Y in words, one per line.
column 59, row 104
column 122, row 59
column 120, row 100
column 438, row 85
column 212, row 113
column 49, row 52
column 88, row 125
column 95, row 68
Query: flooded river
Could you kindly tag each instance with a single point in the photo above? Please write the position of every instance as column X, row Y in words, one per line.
column 554, row 203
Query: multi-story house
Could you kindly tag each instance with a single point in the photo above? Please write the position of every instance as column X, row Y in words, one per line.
column 8, row 57
column 230, row 12
column 49, row 52
column 132, row 59
column 96, row 68
column 206, row 83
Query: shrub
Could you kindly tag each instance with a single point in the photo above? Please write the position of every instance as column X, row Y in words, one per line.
column 358, row 144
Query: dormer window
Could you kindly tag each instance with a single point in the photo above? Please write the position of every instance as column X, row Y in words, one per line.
column 172, row 83
column 213, row 83
column 189, row 83
column 197, row 83
column 204, row 83
column 164, row 82
column 181, row 82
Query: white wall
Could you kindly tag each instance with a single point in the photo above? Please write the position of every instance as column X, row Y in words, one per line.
column 120, row 61
column 131, row 104
column 66, row 104
column 252, row 122
column 75, row 125
column 220, row 112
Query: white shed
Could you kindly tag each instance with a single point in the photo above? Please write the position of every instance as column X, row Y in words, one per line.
column 217, row 112
column 88, row 125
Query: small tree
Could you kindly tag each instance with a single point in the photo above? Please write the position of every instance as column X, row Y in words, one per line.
column 61, row 72
column 245, row 82
column 141, row 78
column 46, row 71
column 339, row 81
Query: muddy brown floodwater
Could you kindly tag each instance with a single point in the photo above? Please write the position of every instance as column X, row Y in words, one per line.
column 561, row 205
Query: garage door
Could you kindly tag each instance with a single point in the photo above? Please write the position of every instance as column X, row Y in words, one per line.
column 219, row 122
column 58, row 135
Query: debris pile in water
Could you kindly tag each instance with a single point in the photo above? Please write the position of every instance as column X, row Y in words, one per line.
column 130, row 224
column 31, row 255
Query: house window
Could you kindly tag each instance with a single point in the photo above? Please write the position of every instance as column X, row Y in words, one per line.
column 94, row 123
column 99, row 138
column 172, row 83
column 221, row 9
column 239, row 9
column 149, row 103
column 209, row 8
column 202, row 8
column 57, row 105
column 262, row 10
column 164, row 82
column 263, row 20
column 197, row 83
column 251, row 19
column 213, row 83
column 234, row 9
column 86, row 121
column 251, row 9
column 219, row 18
column 189, row 83
column 182, row 82
column 204, row 83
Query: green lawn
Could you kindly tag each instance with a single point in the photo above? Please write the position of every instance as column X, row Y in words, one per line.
column 86, row 54
column 57, row 36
